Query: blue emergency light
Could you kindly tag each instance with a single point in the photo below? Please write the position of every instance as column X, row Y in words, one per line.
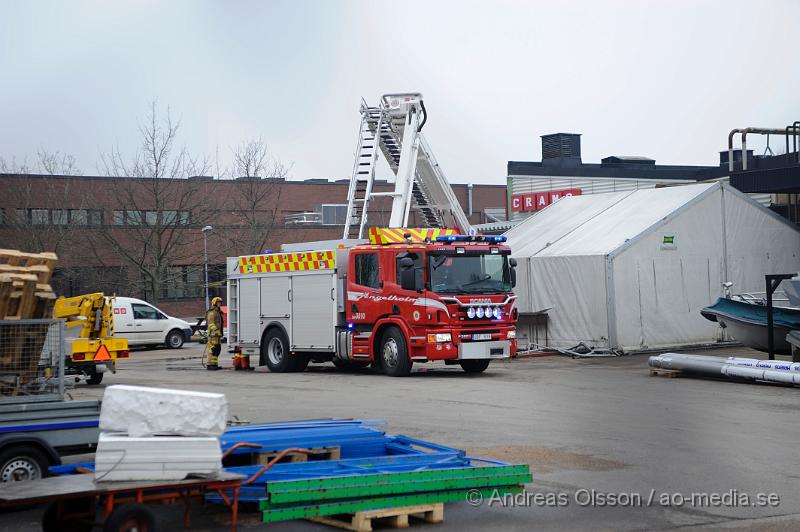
column 474, row 238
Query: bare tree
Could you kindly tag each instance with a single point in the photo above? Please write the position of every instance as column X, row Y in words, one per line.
column 155, row 230
column 47, row 162
column 255, row 200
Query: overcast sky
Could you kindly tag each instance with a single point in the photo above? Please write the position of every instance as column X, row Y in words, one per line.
column 666, row 79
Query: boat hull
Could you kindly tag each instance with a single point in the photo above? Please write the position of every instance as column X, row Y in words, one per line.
column 747, row 323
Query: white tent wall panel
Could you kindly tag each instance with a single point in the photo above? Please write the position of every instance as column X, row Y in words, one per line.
column 575, row 288
column 759, row 242
column 659, row 291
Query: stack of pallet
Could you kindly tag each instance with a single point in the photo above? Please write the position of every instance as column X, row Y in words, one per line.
column 25, row 291
column 25, row 294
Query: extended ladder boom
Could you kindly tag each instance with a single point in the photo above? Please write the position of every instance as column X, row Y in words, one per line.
column 395, row 128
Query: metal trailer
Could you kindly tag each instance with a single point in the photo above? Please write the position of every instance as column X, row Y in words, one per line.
column 79, row 502
column 308, row 305
column 37, row 426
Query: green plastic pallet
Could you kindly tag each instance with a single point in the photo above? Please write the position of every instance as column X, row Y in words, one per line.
column 278, row 498
column 282, row 486
column 350, row 506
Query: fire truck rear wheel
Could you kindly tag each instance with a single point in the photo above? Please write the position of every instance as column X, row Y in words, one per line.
column 394, row 353
column 276, row 354
column 475, row 366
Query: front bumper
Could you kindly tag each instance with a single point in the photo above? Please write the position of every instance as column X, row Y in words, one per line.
column 483, row 350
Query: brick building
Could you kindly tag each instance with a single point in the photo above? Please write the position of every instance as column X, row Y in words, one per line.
column 111, row 234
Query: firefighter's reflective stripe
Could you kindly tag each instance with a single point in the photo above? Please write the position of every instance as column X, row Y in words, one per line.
column 287, row 262
column 383, row 235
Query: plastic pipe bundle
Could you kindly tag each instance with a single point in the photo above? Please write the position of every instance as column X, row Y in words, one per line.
column 733, row 367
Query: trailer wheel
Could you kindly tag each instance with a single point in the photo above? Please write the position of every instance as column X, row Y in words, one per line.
column 394, row 353
column 475, row 366
column 129, row 518
column 22, row 462
column 94, row 377
column 275, row 351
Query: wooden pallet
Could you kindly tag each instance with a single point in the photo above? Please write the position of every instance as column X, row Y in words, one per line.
column 661, row 372
column 25, row 291
column 392, row 517
column 317, row 453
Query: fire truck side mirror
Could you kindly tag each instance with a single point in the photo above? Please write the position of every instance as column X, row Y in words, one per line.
column 408, row 276
column 513, row 263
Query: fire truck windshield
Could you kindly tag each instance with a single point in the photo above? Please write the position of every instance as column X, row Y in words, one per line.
column 473, row 274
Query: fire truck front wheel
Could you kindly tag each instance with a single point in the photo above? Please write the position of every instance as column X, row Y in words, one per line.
column 475, row 366
column 275, row 353
column 394, row 353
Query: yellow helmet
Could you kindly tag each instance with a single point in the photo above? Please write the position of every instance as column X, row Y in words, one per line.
column 216, row 301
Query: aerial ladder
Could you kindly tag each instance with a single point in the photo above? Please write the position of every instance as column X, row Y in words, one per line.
column 394, row 129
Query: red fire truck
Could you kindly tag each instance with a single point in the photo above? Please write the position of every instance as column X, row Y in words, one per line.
column 404, row 296
column 407, row 296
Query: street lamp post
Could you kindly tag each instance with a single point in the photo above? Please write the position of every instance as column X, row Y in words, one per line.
column 205, row 231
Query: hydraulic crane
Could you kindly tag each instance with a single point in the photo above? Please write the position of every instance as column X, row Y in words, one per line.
column 90, row 330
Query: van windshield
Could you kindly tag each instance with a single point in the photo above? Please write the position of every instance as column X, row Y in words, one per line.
column 469, row 274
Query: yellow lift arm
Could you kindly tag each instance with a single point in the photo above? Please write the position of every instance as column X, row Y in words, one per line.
column 94, row 314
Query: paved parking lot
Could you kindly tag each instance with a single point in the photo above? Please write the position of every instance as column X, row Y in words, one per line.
column 593, row 430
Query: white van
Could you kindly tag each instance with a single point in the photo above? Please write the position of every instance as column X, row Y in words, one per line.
column 143, row 324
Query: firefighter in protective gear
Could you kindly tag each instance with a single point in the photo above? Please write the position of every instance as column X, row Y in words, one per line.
column 214, row 323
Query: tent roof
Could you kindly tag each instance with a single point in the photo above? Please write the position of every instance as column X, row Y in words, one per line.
column 598, row 224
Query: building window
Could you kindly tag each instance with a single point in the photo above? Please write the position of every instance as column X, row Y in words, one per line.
column 334, row 214
column 183, row 282
column 118, row 217
column 134, row 217
column 40, row 217
column 367, row 270
column 2, row 216
column 78, row 217
column 59, row 216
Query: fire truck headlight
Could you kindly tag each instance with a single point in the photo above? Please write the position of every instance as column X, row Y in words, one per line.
column 436, row 338
column 488, row 312
column 511, row 334
column 479, row 312
column 497, row 313
column 471, row 312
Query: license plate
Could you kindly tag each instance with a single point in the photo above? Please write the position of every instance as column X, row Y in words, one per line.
column 482, row 336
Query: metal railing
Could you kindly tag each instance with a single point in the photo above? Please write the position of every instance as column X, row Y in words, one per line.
column 31, row 360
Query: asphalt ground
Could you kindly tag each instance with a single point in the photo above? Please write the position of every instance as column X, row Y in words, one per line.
column 610, row 447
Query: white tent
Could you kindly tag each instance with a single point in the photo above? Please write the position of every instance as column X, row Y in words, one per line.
column 631, row 270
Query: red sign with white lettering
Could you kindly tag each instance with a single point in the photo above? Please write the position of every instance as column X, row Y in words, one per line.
column 539, row 200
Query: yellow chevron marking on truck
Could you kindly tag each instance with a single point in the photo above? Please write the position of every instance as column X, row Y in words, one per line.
column 287, row 262
column 383, row 235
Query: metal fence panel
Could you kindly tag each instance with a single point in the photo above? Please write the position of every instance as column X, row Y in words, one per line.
column 31, row 361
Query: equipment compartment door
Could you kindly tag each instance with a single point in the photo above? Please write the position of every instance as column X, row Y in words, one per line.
column 276, row 304
column 249, row 308
column 313, row 311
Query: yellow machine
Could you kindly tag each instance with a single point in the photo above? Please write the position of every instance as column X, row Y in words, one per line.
column 90, row 330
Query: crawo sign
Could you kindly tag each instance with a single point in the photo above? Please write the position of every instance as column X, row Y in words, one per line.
column 539, row 200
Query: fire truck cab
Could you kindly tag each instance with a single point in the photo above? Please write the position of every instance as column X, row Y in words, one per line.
column 407, row 296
